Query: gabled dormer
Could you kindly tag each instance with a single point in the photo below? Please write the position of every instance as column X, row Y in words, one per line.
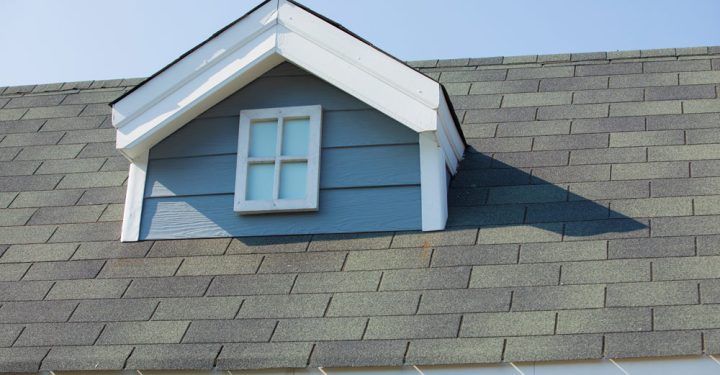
column 285, row 123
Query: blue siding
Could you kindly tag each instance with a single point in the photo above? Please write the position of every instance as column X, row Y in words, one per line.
column 341, row 211
column 369, row 178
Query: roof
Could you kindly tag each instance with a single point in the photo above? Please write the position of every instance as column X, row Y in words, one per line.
column 584, row 223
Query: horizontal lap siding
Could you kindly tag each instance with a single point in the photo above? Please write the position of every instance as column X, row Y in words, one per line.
column 369, row 178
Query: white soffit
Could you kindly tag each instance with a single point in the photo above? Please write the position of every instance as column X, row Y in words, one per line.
column 277, row 31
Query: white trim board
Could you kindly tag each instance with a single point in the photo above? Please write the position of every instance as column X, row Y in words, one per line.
column 281, row 31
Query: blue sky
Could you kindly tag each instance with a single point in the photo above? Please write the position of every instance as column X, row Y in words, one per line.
column 47, row 41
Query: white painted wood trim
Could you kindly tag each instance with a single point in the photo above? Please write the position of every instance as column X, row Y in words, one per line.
column 345, row 46
column 347, row 76
column 312, row 188
column 134, row 199
column 433, row 183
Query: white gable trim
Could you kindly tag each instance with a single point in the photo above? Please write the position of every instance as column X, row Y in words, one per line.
column 134, row 199
column 278, row 31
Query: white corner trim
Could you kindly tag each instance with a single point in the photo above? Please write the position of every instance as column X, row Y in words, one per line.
column 433, row 183
column 134, row 199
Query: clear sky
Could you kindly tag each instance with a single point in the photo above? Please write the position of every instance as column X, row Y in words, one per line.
column 43, row 41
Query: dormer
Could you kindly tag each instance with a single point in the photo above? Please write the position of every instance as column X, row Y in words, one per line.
column 285, row 123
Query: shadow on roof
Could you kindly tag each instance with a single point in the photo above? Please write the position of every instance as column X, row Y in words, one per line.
column 488, row 192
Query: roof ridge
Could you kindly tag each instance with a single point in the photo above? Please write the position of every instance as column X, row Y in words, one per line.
column 567, row 57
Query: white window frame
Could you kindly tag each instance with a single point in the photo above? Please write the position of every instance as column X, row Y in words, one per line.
column 312, row 189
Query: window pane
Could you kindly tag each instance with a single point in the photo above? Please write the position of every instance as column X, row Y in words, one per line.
column 260, row 182
column 263, row 136
column 295, row 137
column 293, row 179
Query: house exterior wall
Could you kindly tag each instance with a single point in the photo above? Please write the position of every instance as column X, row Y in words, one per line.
column 369, row 168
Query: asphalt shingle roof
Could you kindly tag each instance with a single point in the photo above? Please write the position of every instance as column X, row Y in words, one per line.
column 584, row 223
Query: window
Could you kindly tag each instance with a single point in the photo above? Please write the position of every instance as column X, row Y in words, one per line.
column 278, row 161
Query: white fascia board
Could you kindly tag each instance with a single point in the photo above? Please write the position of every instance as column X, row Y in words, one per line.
column 134, row 199
column 357, row 82
column 213, row 52
column 433, row 183
column 198, row 94
column 367, row 58
column 449, row 137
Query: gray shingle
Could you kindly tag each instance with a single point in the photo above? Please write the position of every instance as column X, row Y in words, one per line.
column 525, row 129
column 532, row 100
column 620, row 345
column 558, row 297
column 86, row 97
column 186, row 286
column 15, row 216
column 264, row 355
column 563, row 251
column 573, row 83
column 21, row 359
column 686, row 187
column 683, row 226
column 675, row 66
column 544, row 72
column 198, row 308
column 12, row 114
column 49, row 152
column 140, row 267
column 229, row 331
column 608, row 69
column 701, row 136
column 369, row 303
column 103, row 196
column 320, row 329
column 504, row 87
column 606, row 229
column 608, row 96
column 89, row 180
column 251, row 284
column 474, row 255
column 451, row 351
column 13, row 271
column 96, row 109
column 434, row 278
column 582, row 173
column 29, row 183
column 488, row 145
column 420, row 326
column 500, row 115
column 359, row 353
column 652, row 293
column 473, row 75
column 59, row 334
column 87, row 232
column 709, row 291
column 70, row 166
column 358, row 281
column 143, row 333
column 530, row 159
column 644, row 80
column 53, row 112
column 573, row 111
column 47, row 198
column 18, row 168
column 508, row 324
column 565, row 211
column 84, row 357
column 450, row 237
column 544, row 232
column 680, row 92
column 34, row 101
column 653, row 170
column 116, row 310
column 73, row 123
column 708, row 245
column 302, row 262
column 216, row 265
column 696, row 78
column 23, row 290
column 664, row 107
column 388, row 259
column 277, row 244
column 464, row 300
column 8, row 334
column 350, row 241
column 564, row 347
column 26, row 234
column 112, row 249
column 477, row 101
column 284, row 306
column 651, row 247
column 647, row 138
column 36, row 312
column 82, row 269
column 712, row 341
column 93, row 288
column 607, row 271
column 604, row 320
column 173, row 357
column 64, row 215
column 514, row 275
